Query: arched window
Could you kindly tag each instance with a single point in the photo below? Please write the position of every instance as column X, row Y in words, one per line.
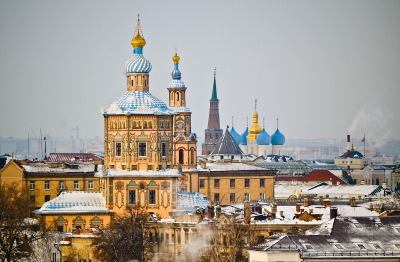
column 177, row 96
column 181, row 156
column 210, row 136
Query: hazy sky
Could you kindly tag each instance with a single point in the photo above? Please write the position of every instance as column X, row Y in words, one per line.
column 322, row 67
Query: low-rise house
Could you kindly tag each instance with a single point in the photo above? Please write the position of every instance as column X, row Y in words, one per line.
column 344, row 239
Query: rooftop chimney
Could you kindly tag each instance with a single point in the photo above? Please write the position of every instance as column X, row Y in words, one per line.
column 305, row 202
column 353, row 202
column 247, row 212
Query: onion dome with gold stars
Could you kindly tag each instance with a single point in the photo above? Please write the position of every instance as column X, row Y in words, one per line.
column 138, row 64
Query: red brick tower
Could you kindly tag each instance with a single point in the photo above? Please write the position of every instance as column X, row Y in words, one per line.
column 213, row 132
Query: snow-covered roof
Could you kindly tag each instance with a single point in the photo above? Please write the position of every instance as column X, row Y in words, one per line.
column 283, row 191
column 67, row 168
column 350, row 238
column 220, row 166
column 137, row 173
column 188, row 201
column 75, row 202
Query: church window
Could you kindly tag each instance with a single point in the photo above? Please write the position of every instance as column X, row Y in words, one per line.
column 145, row 124
column 167, row 124
column 180, row 156
column 142, row 149
column 132, row 197
column 118, row 149
column 152, row 197
column 132, row 82
column 90, row 184
column 210, row 136
column 76, row 184
column 163, row 149
column 177, row 96
column 161, row 124
column 149, row 125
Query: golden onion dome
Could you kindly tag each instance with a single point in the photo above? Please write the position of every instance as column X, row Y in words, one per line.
column 138, row 41
column 176, row 58
column 255, row 128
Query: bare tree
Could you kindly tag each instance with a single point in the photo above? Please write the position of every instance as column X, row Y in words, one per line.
column 229, row 242
column 16, row 227
column 126, row 239
column 44, row 249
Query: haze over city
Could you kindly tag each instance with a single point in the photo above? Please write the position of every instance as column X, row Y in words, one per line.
column 324, row 69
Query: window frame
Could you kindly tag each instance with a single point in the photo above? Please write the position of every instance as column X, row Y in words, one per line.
column 232, row 183
column 118, row 149
column 142, row 149
column 90, row 184
column 262, row 182
column 247, row 183
column 47, row 185
column 217, row 183
column 202, row 183
column 32, row 185
column 76, row 184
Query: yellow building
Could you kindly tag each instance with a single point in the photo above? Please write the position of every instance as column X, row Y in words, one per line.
column 45, row 181
column 148, row 145
column 75, row 210
column 226, row 183
column 357, row 160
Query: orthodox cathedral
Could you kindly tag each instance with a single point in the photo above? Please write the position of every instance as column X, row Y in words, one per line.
column 254, row 140
column 147, row 143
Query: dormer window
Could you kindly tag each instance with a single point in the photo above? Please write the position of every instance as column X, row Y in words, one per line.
column 361, row 246
column 338, row 246
column 308, row 246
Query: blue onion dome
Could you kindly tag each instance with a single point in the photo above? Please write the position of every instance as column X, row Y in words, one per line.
column 244, row 137
column 277, row 138
column 263, row 138
column 138, row 64
column 235, row 136
column 176, row 74
column 139, row 102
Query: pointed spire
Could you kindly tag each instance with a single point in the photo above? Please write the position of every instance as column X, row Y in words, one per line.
column 277, row 126
column 214, row 92
column 138, row 42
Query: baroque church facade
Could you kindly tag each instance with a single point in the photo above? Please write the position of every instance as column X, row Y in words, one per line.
column 148, row 144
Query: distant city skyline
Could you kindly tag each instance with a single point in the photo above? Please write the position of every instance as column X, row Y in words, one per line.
column 324, row 69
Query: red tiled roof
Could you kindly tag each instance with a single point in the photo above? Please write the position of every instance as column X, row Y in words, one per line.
column 316, row 175
column 78, row 157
